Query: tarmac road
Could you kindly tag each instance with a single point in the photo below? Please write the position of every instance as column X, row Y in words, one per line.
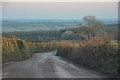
column 47, row 65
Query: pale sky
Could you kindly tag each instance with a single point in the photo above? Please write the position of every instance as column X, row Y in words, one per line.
column 58, row 10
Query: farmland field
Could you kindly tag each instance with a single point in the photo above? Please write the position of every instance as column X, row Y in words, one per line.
column 11, row 26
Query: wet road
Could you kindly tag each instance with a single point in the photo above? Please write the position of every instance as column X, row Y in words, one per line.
column 46, row 65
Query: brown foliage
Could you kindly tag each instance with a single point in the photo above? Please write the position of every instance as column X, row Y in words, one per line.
column 97, row 54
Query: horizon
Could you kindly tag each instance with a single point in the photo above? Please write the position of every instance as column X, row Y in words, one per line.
column 105, row 20
column 57, row 19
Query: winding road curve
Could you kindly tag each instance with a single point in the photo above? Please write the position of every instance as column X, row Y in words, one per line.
column 46, row 65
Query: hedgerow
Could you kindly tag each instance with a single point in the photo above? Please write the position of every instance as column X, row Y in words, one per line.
column 98, row 54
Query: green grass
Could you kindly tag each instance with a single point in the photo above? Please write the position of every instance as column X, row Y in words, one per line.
column 36, row 26
column 7, row 28
column 32, row 28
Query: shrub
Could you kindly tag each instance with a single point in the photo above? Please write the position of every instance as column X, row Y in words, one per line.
column 97, row 54
column 14, row 49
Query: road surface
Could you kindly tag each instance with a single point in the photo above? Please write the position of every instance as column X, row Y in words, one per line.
column 46, row 65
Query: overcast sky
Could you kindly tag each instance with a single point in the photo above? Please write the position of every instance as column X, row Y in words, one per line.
column 58, row 10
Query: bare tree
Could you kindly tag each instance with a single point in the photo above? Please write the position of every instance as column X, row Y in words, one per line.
column 89, row 20
column 93, row 24
column 92, row 21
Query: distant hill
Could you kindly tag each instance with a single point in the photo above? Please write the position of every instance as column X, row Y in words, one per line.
column 11, row 26
column 24, row 25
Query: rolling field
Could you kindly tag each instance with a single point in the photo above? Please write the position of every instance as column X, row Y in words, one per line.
column 9, row 26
